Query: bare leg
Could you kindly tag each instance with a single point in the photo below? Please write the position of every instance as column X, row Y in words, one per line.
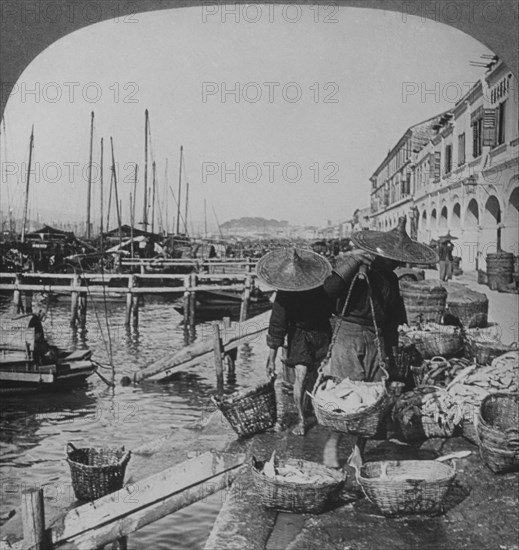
column 299, row 387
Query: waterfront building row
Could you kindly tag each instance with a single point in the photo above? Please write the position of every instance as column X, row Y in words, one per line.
column 458, row 172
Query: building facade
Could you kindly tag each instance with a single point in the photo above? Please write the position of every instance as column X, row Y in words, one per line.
column 464, row 177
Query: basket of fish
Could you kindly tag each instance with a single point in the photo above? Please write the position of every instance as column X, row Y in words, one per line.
column 296, row 485
column 427, row 412
column 351, row 406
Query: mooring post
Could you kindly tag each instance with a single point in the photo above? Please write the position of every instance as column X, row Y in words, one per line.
column 192, row 301
column 135, row 302
column 74, row 296
column 187, row 284
column 245, row 299
column 28, row 301
column 218, row 363
column 82, row 309
column 128, row 312
column 17, row 295
column 33, row 520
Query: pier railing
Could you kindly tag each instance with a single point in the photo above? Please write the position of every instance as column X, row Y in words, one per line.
column 130, row 285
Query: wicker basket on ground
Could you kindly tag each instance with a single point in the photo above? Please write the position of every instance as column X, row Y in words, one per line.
column 498, row 432
column 424, row 301
column 433, row 340
column 96, row 471
column 484, row 345
column 365, row 423
column 406, row 487
column 249, row 411
column 415, row 425
column 290, row 496
column 468, row 306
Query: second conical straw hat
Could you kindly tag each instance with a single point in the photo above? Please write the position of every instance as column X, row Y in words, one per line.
column 293, row 269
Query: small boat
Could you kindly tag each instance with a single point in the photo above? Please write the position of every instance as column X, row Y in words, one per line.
column 21, row 374
column 212, row 305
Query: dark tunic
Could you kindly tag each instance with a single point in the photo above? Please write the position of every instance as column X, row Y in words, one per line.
column 304, row 318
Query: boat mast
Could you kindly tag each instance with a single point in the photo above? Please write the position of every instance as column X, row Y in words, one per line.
column 187, row 199
column 145, row 212
column 179, row 189
column 114, row 174
column 89, row 192
column 153, row 199
column 101, row 186
column 166, row 197
column 24, row 221
column 205, row 219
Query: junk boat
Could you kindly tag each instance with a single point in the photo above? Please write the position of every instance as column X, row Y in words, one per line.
column 21, row 374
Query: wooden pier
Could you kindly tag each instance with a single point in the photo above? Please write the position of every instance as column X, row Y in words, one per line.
column 130, row 286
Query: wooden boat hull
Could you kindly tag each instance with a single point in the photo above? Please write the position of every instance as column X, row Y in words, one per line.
column 20, row 375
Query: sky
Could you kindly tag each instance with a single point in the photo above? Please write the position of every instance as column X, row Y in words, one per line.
column 284, row 113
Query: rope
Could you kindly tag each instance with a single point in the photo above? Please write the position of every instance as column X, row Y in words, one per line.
column 358, row 275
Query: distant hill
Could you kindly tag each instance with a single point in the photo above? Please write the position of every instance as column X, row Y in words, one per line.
column 254, row 224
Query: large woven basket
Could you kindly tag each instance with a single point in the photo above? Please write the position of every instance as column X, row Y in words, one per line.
column 498, row 431
column 96, row 471
column 406, row 487
column 365, row 423
column 439, row 340
column 302, row 498
column 482, row 349
column 249, row 411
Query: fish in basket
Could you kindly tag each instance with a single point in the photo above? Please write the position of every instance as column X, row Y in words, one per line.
column 426, row 412
column 406, row 487
column 296, row 485
column 351, row 406
column 498, row 432
column 96, row 471
column 251, row 410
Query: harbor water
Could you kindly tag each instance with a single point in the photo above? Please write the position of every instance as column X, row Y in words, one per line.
column 35, row 429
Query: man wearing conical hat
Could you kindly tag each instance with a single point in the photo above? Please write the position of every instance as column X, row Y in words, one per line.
column 301, row 313
column 368, row 330
column 445, row 248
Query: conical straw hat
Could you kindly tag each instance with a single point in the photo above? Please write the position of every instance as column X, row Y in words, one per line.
column 293, row 269
column 395, row 245
column 447, row 237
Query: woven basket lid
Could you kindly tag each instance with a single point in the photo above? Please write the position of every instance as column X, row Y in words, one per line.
column 447, row 237
column 293, row 269
column 395, row 245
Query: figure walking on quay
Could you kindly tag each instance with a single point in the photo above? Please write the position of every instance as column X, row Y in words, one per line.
column 301, row 314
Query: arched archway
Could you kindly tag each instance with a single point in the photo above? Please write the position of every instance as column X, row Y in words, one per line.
column 511, row 223
column 434, row 222
column 443, row 222
column 456, row 216
column 472, row 214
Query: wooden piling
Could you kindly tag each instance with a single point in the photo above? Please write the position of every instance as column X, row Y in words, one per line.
column 218, row 363
column 192, row 301
column 128, row 312
column 28, row 301
column 82, row 309
column 135, row 303
column 245, row 299
column 33, row 520
column 17, row 295
column 187, row 300
column 74, row 297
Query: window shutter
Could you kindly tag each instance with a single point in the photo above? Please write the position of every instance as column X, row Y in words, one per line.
column 489, row 128
column 437, row 165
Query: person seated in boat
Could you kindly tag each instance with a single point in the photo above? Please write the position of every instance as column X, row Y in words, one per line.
column 43, row 352
column 301, row 312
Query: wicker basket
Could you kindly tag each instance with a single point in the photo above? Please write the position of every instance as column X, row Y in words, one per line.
column 302, row 498
column 438, row 340
column 406, row 487
column 498, row 432
column 96, row 471
column 484, row 350
column 365, row 423
column 468, row 425
column 420, row 427
column 249, row 411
